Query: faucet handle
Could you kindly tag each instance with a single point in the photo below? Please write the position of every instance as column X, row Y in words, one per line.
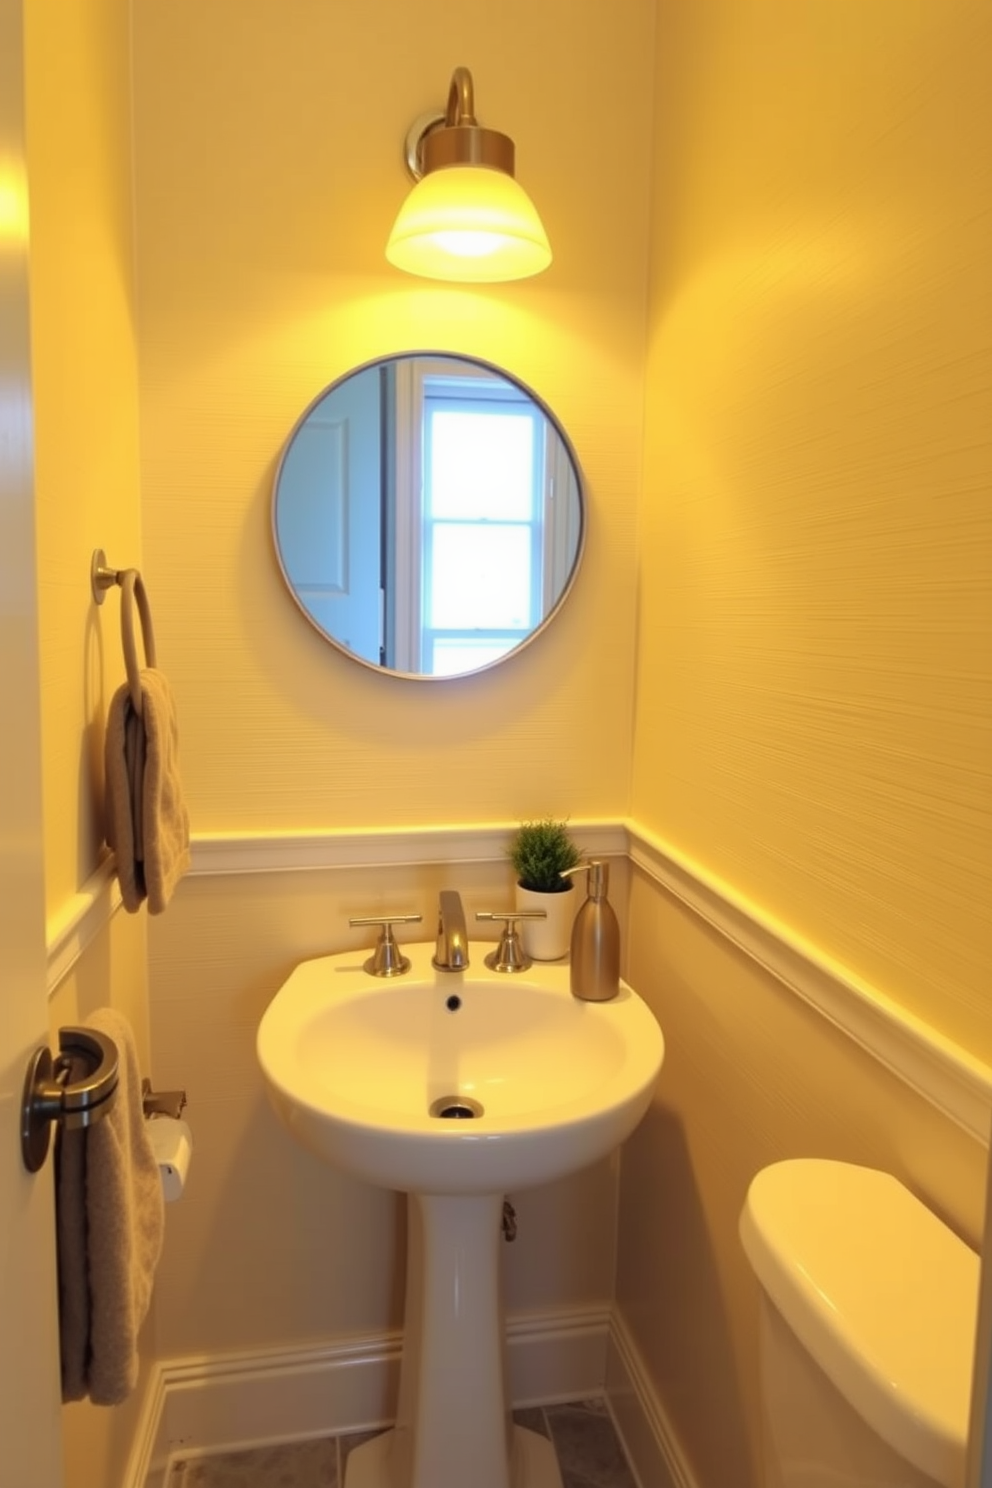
column 510, row 955
column 387, row 960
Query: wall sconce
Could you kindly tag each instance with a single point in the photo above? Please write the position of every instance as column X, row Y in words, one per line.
column 466, row 219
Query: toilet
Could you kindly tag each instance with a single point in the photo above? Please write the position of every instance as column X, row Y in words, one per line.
column 867, row 1329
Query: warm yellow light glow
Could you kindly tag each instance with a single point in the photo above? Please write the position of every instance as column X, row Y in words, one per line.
column 469, row 223
column 13, row 205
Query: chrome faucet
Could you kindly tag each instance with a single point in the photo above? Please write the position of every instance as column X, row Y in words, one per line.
column 451, row 949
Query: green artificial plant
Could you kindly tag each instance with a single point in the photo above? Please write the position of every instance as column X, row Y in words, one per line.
column 540, row 851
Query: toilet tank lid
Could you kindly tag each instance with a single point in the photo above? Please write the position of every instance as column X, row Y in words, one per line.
column 880, row 1293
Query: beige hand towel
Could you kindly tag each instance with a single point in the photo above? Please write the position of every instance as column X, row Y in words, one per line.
column 147, row 820
column 74, row 1288
column 111, row 1218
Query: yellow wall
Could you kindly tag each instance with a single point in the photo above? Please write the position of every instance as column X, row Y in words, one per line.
column 86, row 409
column 84, row 374
column 808, row 710
column 815, row 613
column 812, row 719
column 269, row 169
column 752, row 1075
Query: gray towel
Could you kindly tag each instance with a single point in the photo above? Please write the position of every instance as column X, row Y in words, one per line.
column 147, row 820
column 110, row 1223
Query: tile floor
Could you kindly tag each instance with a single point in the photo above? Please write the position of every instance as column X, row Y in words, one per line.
column 589, row 1455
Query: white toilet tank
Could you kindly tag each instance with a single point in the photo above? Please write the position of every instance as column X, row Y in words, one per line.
column 869, row 1307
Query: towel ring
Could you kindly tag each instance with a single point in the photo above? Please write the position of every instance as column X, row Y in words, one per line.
column 51, row 1094
column 132, row 588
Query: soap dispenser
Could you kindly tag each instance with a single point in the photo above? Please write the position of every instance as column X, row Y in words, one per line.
column 595, row 957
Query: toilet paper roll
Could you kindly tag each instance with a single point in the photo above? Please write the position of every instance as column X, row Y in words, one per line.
column 172, row 1144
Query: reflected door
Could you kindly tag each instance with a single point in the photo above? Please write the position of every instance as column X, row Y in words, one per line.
column 331, row 550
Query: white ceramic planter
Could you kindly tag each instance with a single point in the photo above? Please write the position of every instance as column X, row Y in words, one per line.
column 548, row 939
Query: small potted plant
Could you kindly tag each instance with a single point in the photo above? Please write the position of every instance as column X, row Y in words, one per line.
column 540, row 851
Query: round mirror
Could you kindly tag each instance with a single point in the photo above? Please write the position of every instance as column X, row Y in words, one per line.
column 428, row 515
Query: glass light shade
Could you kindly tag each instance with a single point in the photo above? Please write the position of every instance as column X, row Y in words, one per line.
column 469, row 223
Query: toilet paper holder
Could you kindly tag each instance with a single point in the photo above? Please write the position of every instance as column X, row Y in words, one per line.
column 162, row 1102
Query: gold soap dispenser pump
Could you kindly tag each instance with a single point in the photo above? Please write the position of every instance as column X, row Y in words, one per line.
column 595, row 955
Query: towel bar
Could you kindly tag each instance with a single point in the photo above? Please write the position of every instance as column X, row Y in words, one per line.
column 51, row 1093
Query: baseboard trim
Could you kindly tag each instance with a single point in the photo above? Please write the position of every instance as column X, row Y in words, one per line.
column 650, row 1443
column 214, row 1403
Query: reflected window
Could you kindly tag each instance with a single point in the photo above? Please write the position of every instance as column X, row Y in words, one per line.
column 482, row 522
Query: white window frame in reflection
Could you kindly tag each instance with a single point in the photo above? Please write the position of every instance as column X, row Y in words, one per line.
column 419, row 644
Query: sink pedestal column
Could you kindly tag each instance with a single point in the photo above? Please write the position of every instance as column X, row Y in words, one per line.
column 453, row 1428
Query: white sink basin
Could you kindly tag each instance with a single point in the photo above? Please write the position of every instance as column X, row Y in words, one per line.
column 354, row 1065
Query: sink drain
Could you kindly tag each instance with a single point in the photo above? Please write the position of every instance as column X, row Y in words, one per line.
column 456, row 1108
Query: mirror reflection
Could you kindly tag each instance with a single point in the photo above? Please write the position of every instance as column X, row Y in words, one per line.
column 428, row 515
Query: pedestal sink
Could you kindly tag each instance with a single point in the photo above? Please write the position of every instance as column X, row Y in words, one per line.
column 455, row 1088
